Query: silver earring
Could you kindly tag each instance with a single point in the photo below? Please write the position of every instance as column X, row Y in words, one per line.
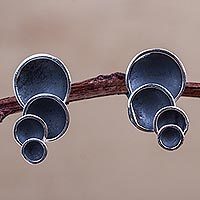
column 155, row 79
column 42, row 86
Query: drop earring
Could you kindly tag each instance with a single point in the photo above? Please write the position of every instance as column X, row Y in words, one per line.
column 155, row 79
column 41, row 85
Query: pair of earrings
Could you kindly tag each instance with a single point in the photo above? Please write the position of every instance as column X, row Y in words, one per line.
column 155, row 80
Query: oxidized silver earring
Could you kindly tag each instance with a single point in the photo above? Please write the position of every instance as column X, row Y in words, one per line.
column 42, row 85
column 155, row 79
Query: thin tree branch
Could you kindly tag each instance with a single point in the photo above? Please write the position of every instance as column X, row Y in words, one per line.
column 102, row 85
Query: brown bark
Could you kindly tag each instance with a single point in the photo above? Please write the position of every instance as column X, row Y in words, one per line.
column 102, row 85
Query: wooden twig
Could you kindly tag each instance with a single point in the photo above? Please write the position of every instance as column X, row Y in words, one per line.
column 102, row 85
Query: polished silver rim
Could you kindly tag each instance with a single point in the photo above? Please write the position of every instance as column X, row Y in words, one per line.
column 161, row 51
column 33, row 117
column 32, row 162
column 36, row 57
column 162, row 110
column 131, row 113
column 163, row 145
column 60, row 102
